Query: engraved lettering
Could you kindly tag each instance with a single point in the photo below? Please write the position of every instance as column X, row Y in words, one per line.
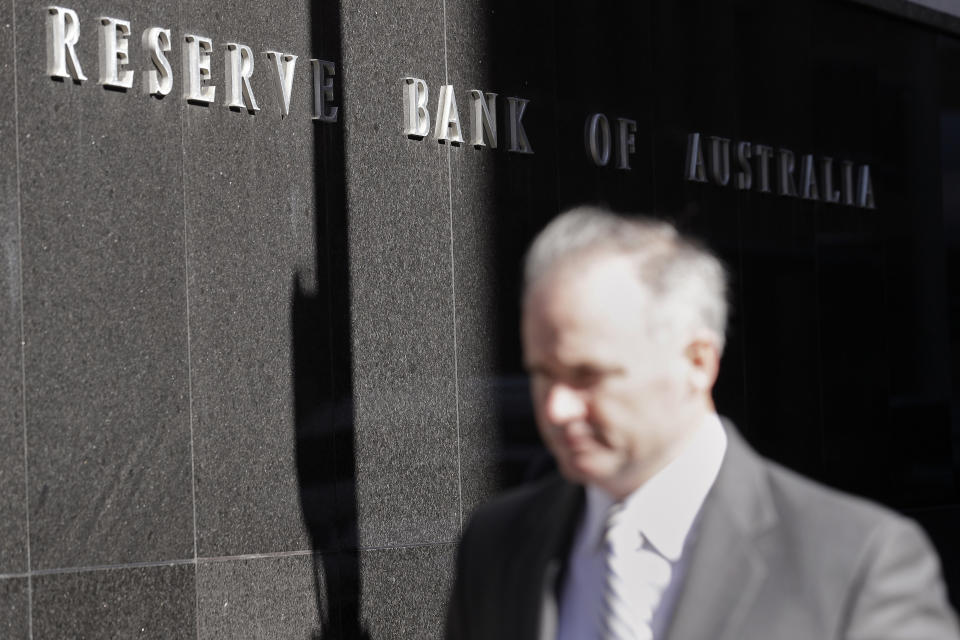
column 63, row 33
column 696, row 170
column 804, row 176
column 626, row 141
column 115, row 53
column 283, row 67
column 516, row 134
column 808, row 179
column 763, row 154
column 846, row 181
column 483, row 125
column 745, row 175
column 448, row 118
column 196, row 69
column 159, row 80
column 786, row 185
column 239, row 64
column 323, row 72
column 865, row 189
column 720, row 160
column 597, row 139
column 826, row 177
column 416, row 118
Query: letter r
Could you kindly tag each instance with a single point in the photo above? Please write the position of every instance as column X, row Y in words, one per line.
column 63, row 33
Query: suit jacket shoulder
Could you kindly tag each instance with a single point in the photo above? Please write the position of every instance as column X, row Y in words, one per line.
column 779, row 555
column 774, row 555
column 887, row 572
column 504, row 517
column 505, row 552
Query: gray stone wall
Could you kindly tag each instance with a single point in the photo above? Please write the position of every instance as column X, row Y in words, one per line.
column 159, row 439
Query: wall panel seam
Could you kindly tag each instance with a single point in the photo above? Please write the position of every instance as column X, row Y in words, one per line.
column 453, row 292
column 23, row 360
column 186, row 296
column 197, row 562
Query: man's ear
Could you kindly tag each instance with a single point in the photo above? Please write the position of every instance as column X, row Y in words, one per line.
column 703, row 356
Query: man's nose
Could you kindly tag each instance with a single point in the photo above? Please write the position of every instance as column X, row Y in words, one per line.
column 564, row 404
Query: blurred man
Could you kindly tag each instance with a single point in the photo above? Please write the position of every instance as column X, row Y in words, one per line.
column 665, row 525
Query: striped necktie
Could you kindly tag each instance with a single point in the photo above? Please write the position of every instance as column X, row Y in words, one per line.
column 635, row 579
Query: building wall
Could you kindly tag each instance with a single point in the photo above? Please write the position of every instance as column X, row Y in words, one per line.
column 177, row 428
column 257, row 371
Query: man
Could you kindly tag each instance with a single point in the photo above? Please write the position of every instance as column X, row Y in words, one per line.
column 665, row 524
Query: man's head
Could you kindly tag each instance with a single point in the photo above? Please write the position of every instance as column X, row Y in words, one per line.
column 623, row 326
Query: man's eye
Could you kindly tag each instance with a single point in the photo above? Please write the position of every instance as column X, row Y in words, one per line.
column 583, row 377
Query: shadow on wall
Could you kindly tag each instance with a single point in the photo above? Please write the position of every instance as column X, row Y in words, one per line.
column 323, row 376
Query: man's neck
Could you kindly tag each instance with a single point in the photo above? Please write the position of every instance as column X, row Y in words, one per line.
column 636, row 476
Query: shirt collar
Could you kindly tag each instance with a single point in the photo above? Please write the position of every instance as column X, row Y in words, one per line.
column 664, row 508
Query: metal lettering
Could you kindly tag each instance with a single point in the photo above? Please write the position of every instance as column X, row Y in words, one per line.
column 196, row 69
column 159, row 80
column 115, row 53
column 786, row 186
column 416, row 118
column 745, row 175
column 696, row 170
column 826, row 176
column 517, row 135
column 808, row 179
column 483, row 124
column 323, row 72
column 597, row 139
column 865, row 189
column 238, row 60
column 846, row 178
column 720, row 160
column 63, row 33
column 626, row 141
column 808, row 176
column 763, row 154
column 283, row 66
column 448, row 118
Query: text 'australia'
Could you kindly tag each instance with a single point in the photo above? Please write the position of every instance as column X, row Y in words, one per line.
column 809, row 178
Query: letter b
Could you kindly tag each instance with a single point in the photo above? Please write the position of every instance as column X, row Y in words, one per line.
column 416, row 118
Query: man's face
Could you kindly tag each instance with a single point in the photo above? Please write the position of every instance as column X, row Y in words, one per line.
column 612, row 399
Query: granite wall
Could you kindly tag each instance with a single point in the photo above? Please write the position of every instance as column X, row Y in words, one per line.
column 256, row 370
column 223, row 389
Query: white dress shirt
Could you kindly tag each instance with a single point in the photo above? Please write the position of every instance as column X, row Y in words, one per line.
column 663, row 511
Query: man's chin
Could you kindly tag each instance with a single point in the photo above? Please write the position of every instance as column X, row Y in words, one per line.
column 582, row 469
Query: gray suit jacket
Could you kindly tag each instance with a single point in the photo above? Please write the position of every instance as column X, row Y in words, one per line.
column 777, row 557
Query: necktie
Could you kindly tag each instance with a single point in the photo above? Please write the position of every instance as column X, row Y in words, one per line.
column 635, row 579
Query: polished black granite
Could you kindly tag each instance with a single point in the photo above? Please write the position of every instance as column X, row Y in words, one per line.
column 272, row 598
column 14, row 622
column 146, row 602
column 104, row 308
column 13, row 532
column 405, row 590
column 401, row 281
column 488, row 186
column 249, row 219
column 842, row 335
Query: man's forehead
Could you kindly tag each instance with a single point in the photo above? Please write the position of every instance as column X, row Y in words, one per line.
column 587, row 302
column 594, row 278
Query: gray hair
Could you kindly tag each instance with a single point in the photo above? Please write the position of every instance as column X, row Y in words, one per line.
column 688, row 282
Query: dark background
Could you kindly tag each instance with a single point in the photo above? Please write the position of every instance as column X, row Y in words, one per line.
column 844, row 328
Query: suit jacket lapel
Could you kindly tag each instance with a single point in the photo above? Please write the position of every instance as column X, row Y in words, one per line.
column 539, row 559
column 726, row 567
